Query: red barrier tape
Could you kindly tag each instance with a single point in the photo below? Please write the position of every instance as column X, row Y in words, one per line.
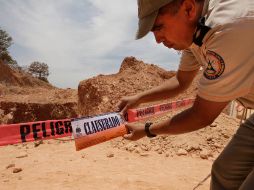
column 26, row 132
column 50, row 129
column 142, row 113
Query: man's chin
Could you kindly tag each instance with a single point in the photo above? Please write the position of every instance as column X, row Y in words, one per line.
column 179, row 48
column 176, row 47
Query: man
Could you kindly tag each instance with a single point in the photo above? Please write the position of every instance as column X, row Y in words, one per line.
column 218, row 36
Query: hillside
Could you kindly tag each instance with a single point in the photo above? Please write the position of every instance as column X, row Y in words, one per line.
column 25, row 98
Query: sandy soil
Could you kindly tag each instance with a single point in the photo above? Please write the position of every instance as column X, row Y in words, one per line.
column 56, row 165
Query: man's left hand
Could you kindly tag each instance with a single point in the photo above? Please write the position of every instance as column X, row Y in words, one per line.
column 136, row 131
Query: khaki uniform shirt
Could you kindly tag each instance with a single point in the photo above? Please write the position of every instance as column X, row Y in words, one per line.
column 227, row 52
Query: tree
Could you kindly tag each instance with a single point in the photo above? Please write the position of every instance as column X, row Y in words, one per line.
column 5, row 43
column 5, row 40
column 39, row 70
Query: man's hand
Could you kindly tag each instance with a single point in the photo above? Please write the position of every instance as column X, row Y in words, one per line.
column 166, row 90
column 127, row 103
column 136, row 131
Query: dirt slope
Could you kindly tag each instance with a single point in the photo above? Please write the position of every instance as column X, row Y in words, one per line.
column 102, row 93
column 24, row 98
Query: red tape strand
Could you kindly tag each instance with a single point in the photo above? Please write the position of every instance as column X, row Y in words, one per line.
column 32, row 131
column 51, row 129
column 143, row 113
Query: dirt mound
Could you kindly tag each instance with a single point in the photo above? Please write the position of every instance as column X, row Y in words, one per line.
column 101, row 94
column 24, row 98
column 17, row 112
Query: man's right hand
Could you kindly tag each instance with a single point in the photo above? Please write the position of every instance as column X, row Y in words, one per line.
column 128, row 102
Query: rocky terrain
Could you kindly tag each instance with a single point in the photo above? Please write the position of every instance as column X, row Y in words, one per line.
column 205, row 143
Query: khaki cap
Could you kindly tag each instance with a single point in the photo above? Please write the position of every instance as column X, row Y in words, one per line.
column 147, row 13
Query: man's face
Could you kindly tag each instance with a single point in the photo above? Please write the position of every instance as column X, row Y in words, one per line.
column 174, row 31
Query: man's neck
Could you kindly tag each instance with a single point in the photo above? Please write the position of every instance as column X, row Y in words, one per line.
column 200, row 7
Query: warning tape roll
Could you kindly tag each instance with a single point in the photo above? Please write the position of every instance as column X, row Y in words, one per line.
column 89, row 131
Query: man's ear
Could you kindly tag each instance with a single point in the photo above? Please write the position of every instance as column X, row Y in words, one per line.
column 189, row 8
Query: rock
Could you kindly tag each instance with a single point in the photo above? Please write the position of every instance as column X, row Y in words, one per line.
column 110, row 155
column 137, row 150
column 17, row 170
column 13, row 109
column 193, row 147
column 181, row 152
column 213, row 125
column 10, row 166
column 204, row 154
column 210, row 138
column 156, row 148
column 144, row 147
column 144, row 154
column 226, row 136
column 23, row 155
column 217, row 145
column 9, row 116
column 1, row 112
column 159, row 151
column 38, row 143
column 130, row 147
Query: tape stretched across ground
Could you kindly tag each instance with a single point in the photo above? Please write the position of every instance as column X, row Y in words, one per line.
column 93, row 130
column 32, row 131
column 142, row 113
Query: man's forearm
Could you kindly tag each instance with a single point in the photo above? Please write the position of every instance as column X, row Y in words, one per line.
column 183, row 122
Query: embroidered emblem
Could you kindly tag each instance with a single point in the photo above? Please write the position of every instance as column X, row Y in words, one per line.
column 215, row 65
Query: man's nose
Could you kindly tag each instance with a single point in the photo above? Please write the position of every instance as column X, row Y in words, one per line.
column 158, row 37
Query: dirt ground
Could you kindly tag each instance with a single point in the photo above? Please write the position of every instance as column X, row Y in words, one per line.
column 56, row 165
column 179, row 162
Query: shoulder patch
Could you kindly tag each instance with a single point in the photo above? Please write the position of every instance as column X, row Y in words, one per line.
column 215, row 65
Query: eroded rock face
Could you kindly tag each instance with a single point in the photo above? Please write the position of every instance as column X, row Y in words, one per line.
column 102, row 93
column 17, row 112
